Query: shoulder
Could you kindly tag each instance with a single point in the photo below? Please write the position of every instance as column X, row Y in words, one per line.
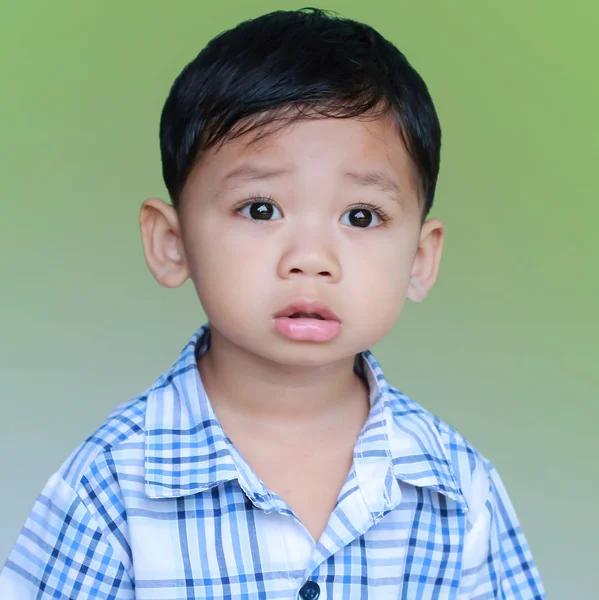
column 454, row 442
column 471, row 470
column 121, row 432
column 84, row 499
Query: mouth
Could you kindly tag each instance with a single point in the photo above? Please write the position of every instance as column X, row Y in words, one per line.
column 305, row 321
column 303, row 315
column 308, row 310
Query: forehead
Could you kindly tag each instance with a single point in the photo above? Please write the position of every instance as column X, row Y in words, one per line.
column 330, row 146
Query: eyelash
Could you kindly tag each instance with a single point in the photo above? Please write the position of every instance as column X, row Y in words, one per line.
column 375, row 208
column 253, row 200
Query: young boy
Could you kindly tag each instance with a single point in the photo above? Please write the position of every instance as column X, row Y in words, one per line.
column 274, row 460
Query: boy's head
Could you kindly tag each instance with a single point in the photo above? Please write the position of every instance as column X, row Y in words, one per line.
column 291, row 65
column 301, row 153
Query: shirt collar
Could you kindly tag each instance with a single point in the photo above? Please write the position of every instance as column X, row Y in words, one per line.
column 187, row 451
column 410, row 435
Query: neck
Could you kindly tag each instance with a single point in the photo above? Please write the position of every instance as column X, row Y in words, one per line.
column 250, row 386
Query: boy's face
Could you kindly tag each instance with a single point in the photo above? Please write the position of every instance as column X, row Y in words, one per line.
column 321, row 214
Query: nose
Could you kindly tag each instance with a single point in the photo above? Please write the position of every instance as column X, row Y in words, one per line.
column 310, row 256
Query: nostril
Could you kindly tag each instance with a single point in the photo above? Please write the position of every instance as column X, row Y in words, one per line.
column 297, row 271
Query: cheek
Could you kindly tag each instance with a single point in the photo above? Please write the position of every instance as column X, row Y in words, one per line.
column 227, row 266
column 386, row 262
column 379, row 277
column 379, row 296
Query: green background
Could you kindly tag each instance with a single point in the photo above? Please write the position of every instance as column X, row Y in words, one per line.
column 505, row 348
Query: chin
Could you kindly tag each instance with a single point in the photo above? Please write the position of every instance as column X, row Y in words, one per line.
column 309, row 354
column 306, row 362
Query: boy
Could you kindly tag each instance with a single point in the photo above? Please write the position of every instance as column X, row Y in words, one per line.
column 274, row 460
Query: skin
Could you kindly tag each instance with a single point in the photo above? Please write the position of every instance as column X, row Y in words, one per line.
column 295, row 409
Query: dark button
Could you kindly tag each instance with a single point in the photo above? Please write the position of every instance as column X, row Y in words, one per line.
column 310, row 590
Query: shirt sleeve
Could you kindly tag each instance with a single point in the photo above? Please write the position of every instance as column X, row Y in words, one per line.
column 61, row 553
column 497, row 560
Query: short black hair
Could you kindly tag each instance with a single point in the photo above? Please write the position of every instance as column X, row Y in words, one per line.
column 289, row 65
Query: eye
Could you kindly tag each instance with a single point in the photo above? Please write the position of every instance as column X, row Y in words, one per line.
column 260, row 211
column 363, row 217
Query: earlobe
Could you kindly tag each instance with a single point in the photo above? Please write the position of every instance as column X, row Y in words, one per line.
column 161, row 238
column 416, row 291
column 426, row 263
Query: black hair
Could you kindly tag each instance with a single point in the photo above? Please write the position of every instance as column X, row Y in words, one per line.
column 289, row 65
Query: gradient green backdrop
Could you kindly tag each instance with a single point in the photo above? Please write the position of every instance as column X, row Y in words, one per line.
column 505, row 348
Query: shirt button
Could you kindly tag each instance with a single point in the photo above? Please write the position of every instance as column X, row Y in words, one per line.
column 310, row 590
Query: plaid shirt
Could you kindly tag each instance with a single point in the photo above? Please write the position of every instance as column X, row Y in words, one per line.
column 158, row 505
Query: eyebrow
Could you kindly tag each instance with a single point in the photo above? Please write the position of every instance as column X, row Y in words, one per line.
column 376, row 179
column 247, row 172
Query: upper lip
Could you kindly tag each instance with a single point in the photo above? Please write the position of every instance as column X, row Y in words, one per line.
column 308, row 306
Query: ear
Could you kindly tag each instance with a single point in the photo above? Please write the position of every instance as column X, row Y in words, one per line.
column 427, row 260
column 163, row 247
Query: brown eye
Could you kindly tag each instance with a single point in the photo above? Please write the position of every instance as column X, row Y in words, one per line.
column 261, row 211
column 360, row 217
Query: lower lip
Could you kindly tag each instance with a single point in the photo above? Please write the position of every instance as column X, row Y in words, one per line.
column 307, row 330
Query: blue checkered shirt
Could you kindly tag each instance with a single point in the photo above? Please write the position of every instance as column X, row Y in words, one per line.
column 158, row 505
